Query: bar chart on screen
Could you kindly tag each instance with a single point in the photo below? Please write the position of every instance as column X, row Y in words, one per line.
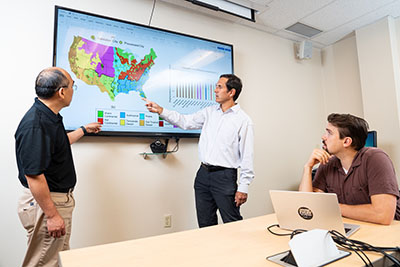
column 199, row 94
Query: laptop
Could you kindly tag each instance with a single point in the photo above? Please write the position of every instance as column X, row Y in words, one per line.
column 309, row 210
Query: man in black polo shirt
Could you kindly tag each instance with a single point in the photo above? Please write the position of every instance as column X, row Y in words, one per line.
column 46, row 168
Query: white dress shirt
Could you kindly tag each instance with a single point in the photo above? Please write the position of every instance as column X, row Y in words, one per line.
column 226, row 138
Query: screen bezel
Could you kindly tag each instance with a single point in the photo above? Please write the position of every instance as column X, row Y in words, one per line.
column 133, row 133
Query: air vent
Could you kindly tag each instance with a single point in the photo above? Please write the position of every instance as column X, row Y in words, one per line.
column 302, row 29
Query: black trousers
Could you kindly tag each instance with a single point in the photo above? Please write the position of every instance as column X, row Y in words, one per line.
column 216, row 190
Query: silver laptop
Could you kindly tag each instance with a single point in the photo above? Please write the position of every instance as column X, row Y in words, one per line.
column 309, row 210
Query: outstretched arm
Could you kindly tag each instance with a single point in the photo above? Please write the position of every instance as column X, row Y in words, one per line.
column 153, row 106
column 183, row 121
column 74, row 136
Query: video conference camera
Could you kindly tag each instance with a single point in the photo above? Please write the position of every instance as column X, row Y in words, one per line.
column 158, row 147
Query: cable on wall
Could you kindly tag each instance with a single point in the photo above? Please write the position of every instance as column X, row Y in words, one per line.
column 152, row 11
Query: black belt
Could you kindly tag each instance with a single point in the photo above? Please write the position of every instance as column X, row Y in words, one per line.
column 69, row 190
column 212, row 168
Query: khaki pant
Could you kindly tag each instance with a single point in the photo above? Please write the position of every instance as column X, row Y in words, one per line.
column 42, row 248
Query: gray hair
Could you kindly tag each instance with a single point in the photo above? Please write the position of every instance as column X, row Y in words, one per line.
column 49, row 81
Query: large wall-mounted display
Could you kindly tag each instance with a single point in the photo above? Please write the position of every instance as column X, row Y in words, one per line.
column 116, row 63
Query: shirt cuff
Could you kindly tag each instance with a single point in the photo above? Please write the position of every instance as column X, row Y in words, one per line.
column 164, row 113
column 243, row 188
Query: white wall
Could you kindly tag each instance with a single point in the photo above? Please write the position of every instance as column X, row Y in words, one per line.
column 361, row 76
column 120, row 195
column 341, row 78
column 378, row 55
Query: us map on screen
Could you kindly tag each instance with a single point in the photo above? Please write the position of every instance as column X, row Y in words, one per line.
column 115, row 64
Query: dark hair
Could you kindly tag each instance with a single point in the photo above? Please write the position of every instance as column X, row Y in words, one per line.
column 233, row 82
column 350, row 126
column 49, row 81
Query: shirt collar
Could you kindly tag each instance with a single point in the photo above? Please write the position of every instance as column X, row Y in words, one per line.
column 235, row 108
column 358, row 156
column 47, row 111
column 356, row 161
column 336, row 162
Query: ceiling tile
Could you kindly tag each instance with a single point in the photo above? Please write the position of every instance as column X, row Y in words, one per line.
column 341, row 12
column 337, row 18
column 338, row 33
column 283, row 13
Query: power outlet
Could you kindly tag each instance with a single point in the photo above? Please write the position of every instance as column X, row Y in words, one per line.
column 167, row 221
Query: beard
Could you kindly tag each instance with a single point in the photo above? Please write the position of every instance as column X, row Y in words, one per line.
column 325, row 147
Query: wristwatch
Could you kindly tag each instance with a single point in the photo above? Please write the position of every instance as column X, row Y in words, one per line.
column 84, row 130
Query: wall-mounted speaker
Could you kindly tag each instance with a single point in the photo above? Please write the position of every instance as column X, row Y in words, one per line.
column 304, row 50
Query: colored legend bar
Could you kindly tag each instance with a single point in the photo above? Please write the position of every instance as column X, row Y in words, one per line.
column 117, row 118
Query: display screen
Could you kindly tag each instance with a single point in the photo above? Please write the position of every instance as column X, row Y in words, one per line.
column 115, row 64
column 371, row 139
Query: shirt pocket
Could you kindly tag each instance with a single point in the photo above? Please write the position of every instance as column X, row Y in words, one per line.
column 331, row 189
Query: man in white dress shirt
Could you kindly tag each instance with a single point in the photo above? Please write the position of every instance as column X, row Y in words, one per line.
column 226, row 144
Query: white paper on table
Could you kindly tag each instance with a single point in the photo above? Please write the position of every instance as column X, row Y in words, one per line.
column 313, row 248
